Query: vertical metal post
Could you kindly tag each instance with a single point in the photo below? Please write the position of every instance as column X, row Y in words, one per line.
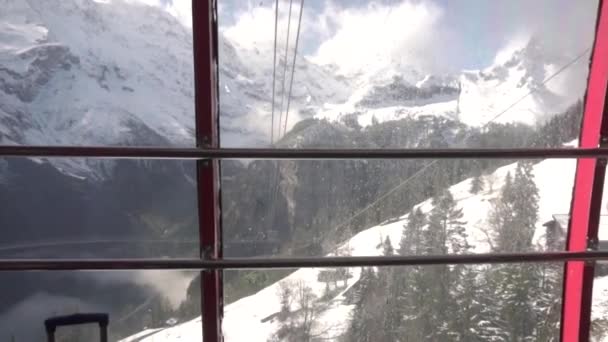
column 204, row 29
column 50, row 335
column 587, row 197
column 103, row 332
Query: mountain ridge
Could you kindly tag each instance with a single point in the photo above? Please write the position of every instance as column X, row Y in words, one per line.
column 134, row 86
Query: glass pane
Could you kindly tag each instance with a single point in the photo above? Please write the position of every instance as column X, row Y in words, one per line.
column 599, row 315
column 386, row 74
column 95, row 73
column 603, row 227
column 84, row 208
column 435, row 303
column 138, row 302
column 297, row 208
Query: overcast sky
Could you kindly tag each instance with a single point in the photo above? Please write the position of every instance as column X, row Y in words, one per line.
column 433, row 34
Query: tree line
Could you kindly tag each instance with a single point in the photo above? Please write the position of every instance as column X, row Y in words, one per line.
column 510, row 302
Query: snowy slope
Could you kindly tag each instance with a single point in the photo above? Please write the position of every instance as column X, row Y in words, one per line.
column 243, row 319
column 365, row 117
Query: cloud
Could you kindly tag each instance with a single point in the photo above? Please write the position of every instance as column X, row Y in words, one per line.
column 182, row 10
column 24, row 321
column 440, row 36
column 406, row 33
column 351, row 37
column 253, row 26
column 430, row 35
column 155, row 3
column 171, row 285
column 562, row 26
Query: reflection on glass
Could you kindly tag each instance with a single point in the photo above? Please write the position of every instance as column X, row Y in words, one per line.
column 86, row 208
column 140, row 303
column 334, row 70
column 438, row 303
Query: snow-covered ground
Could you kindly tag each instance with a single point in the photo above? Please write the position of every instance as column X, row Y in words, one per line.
column 448, row 109
column 247, row 319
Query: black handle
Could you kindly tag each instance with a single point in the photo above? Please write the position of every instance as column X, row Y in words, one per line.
column 102, row 319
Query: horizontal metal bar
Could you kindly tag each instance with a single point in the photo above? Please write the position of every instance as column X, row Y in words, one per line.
column 292, row 154
column 301, row 262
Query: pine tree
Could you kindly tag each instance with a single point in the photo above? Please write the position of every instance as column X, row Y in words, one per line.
column 411, row 237
column 446, row 231
column 476, row 181
column 435, row 278
column 375, row 121
column 414, row 321
column 488, row 324
column 548, row 302
column 364, row 324
column 387, row 247
column 513, row 217
column 464, row 319
column 390, row 286
column 445, row 234
column 501, row 215
column 525, row 195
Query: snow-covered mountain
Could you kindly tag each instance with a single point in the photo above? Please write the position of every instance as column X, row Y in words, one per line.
column 118, row 72
column 91, row 73
column 554, row 79
column 527, row 79
column 251, row 318
column 78, row 73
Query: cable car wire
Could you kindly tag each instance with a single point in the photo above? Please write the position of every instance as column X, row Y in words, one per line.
column 274, row 70
column 293, row 66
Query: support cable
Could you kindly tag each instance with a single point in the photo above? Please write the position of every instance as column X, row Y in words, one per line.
column 274, row 70
column 293, row 66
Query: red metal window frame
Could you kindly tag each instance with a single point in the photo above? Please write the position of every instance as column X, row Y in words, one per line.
column 204, row 31
column 587, row 196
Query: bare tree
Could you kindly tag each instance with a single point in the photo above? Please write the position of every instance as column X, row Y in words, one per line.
column 306, row 302
column 344, row 272
column 297, row 325
column 285, row 293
